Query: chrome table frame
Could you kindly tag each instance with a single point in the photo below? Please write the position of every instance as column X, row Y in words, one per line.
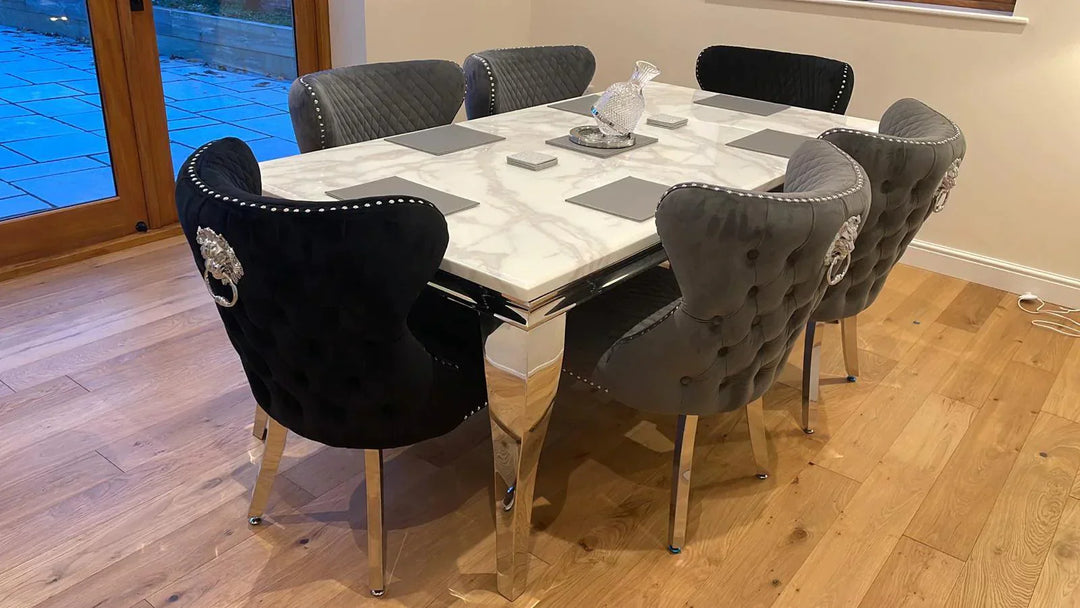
column 522, row 365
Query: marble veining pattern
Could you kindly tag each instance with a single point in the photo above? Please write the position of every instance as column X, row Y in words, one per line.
column 525, row 240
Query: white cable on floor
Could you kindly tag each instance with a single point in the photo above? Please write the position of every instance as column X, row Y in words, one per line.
column 1036, row 306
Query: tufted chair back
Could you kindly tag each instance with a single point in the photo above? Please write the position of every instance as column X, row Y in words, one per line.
column 504, row 80
column 751, row 267
column 912, row 163
column 805, row 81
column 318, row 314
column 356, row 103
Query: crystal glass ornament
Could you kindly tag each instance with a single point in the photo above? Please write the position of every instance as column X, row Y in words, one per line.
column 617, row 112
column 619, row 109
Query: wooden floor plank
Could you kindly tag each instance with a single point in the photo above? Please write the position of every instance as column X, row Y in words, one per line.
column 915, row 576
column 972, row 307
column 953, row 514
column 1064, row 398
column 845, row 563
column 1059, row 581
column 1010, row 552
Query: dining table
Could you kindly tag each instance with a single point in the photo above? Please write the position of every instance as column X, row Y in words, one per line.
column 524, row 257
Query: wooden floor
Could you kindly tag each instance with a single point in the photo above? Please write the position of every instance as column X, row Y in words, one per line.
column 946, row 476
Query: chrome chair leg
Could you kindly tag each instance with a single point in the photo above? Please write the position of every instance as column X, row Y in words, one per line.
column 755, row 420
column 273, row 447
column 258, row 428
column 849, row 329
column 376, row 534
column 811, row 373
column 680, row 481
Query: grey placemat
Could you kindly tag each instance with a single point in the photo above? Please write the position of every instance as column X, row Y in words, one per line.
column 444, row 140
column 777, row 143
column 580, row 105
column 742, row 104
column 640, row 141
column 630, row 197
column 446, row 202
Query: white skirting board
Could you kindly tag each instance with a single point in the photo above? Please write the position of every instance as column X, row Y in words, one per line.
column 1053, row 288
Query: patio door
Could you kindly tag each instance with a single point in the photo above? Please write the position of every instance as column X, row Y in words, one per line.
column 70, row 169
column 102, row 100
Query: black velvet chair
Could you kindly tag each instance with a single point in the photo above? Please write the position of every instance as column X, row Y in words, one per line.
column 504, row 80
column 326, row 305
column 805, row 81
column 711, row 334
column 356, row 103
column 912, row 162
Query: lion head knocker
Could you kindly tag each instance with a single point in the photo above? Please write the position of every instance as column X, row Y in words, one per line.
column 221, row 263
column 947, row 184
column 838, row 259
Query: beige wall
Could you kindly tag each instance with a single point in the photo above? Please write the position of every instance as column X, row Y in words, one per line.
column 426, row 29
column 1014, row 90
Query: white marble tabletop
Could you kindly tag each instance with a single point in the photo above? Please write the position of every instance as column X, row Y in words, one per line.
column 524, row 240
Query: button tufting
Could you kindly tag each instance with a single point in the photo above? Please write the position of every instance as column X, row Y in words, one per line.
column 686, row 380
column 752, row 254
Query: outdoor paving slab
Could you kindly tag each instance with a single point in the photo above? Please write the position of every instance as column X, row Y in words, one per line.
column 180, row 152
column 192, row 89
column 76, row 187
column 200, row 135
column 60, row 146
column 89, row 85
column 9, row 158
column 30, row 126
column 94, row 99
column 87, row 121
column 36, row 91
column 187, row 123
column 7, row 110
column 60, row 106
column 102, row 158
column 10, row 80
column 30, row 63
column 259, row 84
column 173, row 113
column 54, row 167
column 18, row 205
column 269, row 97
column 272, row 147
column 251, row 110
column 271, row 125
column 210, row 103
column 7, row 190
column 61, row 74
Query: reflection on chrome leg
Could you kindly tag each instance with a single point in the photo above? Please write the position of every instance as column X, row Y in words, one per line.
column 849, row 330
column 811, row 372
column 271, row 458
column 685, row 434
column 755, row 420
column 522, row 369
column 258, row 428
column 376, row 534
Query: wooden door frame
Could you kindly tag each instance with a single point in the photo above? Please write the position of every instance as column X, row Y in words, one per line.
column 52, row 232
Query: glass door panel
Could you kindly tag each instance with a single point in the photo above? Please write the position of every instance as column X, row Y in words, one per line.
column 70, row 173
column 226, row 67
column 52, row 130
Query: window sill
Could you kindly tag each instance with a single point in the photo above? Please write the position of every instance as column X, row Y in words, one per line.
column 937, row 11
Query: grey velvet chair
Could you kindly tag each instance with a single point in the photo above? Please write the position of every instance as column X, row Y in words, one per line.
column 912, row 162
column 711, row 334
column 806, row 81
column 356, row 103
column 504, row 80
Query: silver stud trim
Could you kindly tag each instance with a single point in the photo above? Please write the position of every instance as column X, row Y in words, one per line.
column 318, row 111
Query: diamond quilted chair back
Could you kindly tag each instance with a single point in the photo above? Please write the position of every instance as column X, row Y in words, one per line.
column 362, row 102
column 806, row 81
column 912, row 163
column 751, row 267
column 315, row 298
column 504, row 80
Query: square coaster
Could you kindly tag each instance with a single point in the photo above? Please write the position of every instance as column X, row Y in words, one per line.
column 444, row 140
column 396, row 186
column 535, row 161
column 777, row 143
column 742, row 104
column 667, row 121
column 640, row 141
column 630, row 198
column 579, row 105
